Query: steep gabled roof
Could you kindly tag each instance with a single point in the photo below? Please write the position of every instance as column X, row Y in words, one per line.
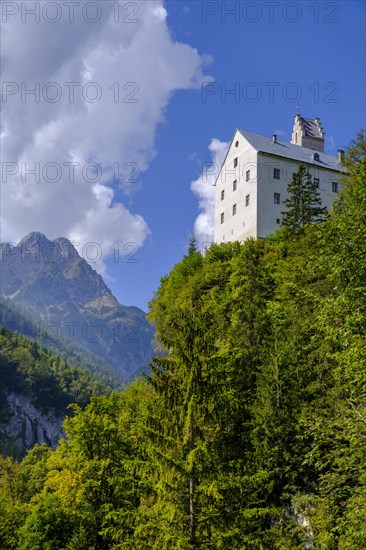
column 291, row 151
column 311, row 127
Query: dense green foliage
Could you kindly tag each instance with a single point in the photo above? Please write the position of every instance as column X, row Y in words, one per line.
column 48, row 381
column 250, row 431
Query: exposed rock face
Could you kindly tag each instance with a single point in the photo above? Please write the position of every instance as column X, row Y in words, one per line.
column 71, row 301
column 27, row 426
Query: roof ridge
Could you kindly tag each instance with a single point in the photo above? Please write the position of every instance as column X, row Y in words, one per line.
column 285, row 142
column 290, row 150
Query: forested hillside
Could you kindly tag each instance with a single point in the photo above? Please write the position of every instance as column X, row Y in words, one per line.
column 250, row 433
column 16, row 319
column 36, row 388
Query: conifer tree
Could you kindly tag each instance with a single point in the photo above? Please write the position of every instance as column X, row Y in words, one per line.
column 192, row 246
column 195, row 404
column 303, row 204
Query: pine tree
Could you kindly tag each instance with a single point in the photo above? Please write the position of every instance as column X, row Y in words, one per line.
column 303, row 204
column 192, row 246
column 192, row 429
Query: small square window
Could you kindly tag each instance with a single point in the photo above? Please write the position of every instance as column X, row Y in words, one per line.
column 247, row 200
column 316, row 182
column 222, row 217
column 222, row 194
column 234, row 185
column 247, row 175
column 277, row 198
column 235, row 162
column 234, row 209
column 276, row 173
column 334, row 187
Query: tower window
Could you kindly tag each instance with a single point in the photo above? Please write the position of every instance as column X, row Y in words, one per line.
column 222, row 217
column 234, row 185
column 277, row 198
column 222, row 194
column 334, row 187
column 247, row 175
column 234, row 209
column 235, row 162
column 316, row 182
column 276, row 173
column 247, row 200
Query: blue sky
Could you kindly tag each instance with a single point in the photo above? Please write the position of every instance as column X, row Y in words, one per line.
column 183, row 56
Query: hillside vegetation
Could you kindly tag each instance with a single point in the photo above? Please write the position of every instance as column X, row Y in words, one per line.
column 250, row 433
column 49, row 384
column 14, row 318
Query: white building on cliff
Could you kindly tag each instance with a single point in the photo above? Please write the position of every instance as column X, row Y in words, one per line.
column 252, row 183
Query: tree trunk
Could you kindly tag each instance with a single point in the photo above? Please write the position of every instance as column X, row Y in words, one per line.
column 192, row 511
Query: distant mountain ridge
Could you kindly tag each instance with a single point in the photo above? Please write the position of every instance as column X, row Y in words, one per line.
column 57, row 286
column 15, row 318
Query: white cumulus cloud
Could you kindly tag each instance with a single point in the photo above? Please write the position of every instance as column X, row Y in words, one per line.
column 204, row 188
column 83, row 137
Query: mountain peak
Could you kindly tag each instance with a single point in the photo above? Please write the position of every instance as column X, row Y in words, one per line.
column 35, row 235
column 50, row 250
column 34, row 238
column 60, row 289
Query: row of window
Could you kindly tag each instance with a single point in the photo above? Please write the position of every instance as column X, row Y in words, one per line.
column 277, row 176
column 276, row 200
column 334, row 185
column 316, row 184
column 276, row 171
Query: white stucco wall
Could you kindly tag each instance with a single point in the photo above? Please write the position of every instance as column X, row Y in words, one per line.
column 243, row 224
column 263, row 216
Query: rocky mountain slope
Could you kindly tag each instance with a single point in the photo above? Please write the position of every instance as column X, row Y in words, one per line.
column 71, row 302
column 36, row 389
column 26, row 425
